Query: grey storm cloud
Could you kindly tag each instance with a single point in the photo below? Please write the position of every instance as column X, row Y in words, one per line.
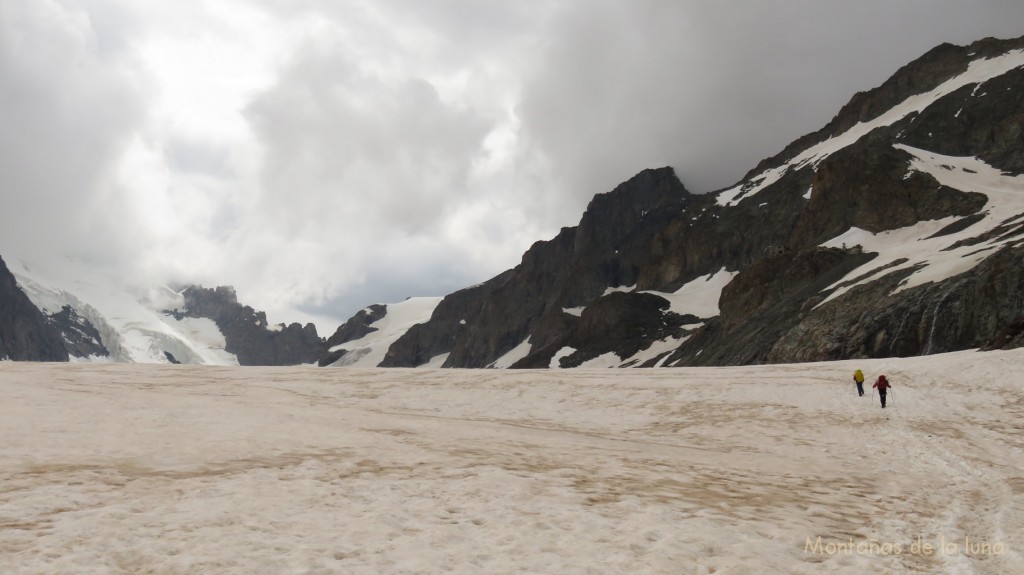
column 66, row 113
column 322, row 155
column 369, row 151
column 712, row 88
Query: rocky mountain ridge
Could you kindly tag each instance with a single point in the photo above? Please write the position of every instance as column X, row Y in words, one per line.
column 932, row 156
column 247, row 334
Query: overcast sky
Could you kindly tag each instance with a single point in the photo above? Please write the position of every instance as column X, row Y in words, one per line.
column 323, row 155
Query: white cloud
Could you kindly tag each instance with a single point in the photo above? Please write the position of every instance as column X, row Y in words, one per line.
column 324, row 155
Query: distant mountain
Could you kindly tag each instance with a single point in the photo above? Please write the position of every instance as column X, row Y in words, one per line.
column 247, row 335
column 895, row 230
column 72, row 311
column 364, row 340
column 25, row 335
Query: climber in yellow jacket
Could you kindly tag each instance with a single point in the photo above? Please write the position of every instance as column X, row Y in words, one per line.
column 858, row 378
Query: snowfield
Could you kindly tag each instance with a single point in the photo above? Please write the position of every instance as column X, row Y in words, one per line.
column 121, row 468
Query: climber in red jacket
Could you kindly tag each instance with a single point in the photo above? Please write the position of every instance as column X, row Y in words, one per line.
column 883, row 386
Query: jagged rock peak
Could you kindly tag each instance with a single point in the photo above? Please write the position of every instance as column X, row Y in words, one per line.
column 359, row 325
column 246, row 331
column 606, row 249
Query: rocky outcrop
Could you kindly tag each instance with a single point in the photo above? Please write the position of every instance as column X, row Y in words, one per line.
column 81, row 338
column 246, row 332
column 355, row 328
column 763, row 303
column 25, row 333
column 620, row 323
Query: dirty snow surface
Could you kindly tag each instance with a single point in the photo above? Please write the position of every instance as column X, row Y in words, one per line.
column 115, row 468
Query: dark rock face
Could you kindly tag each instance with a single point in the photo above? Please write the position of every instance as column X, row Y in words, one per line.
column 975, row 309
column 446, row 328
column 359, row 325
column 551, row 334
column 25, row 334
column 355, row 328
column 763, row 303
column 1010, row 336
column 246, row 331
column 623, row 324
column 867, row 186
column 81, row 338
column 706, row 237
